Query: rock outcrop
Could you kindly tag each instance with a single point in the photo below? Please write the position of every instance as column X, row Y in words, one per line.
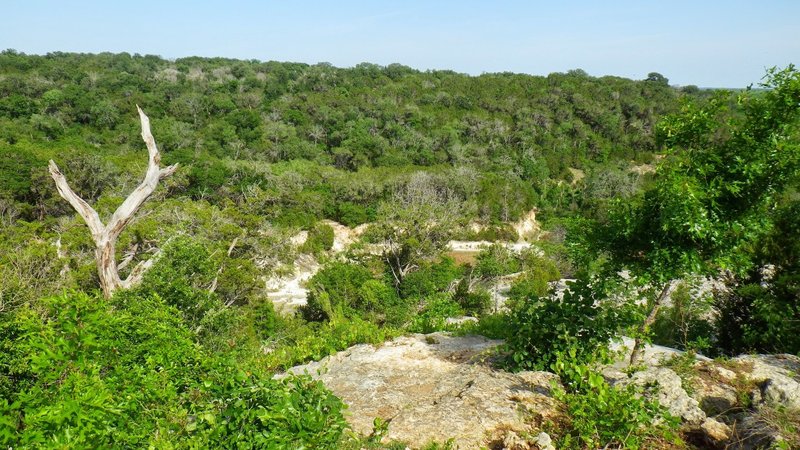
column 432, row 388
column 735, row 404
column 439, row 388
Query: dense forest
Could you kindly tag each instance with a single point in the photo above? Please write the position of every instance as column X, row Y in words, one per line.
column 639, row 188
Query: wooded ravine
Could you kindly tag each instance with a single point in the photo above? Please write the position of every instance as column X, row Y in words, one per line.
column 176, row 235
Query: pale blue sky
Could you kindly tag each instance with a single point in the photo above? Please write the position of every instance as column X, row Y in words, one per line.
column 707, row 43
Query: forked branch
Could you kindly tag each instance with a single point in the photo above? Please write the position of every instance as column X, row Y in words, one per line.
column 105, row 236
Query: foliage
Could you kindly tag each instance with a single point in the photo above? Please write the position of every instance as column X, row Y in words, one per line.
column 127, row 373
column 475, row 302
column 686, row 322
column 710, row 201
column 713, row 199
column 602, row 416
column 539, row 271
column 416, row 224
column 757, row 318
column 492, row 326
column 294, row 412
column 434, row 314
column 495, row 261
column 299, row 342
column 430, row 278
column 762, row 313
column 182, row 277
column 582, row 320
column 320, row 238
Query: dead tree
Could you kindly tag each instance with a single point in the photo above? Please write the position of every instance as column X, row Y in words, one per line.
column 105, row 236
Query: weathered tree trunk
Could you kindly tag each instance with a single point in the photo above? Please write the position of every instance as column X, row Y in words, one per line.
column 105, row 236
column 636, row 353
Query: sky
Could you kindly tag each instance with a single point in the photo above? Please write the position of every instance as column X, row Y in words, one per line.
column 701, row 42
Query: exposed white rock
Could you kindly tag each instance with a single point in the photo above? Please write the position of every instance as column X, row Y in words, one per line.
column 653, row 355
column 433, row 388
column 527, row 227
column 778, row 376
column 669, row 392
column 289, row 293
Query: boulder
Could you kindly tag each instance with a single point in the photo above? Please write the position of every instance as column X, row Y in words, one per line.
column 717, row 434
column 431, row 388
column 778, row 376
column 668, row 392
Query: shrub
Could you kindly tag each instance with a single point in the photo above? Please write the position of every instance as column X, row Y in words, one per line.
column 249, row 412
column 546, row 327
column 760, row 318
column 477, row 302
column 332, row 290
column 496, row 261
column 685, row 321
column 320, row 238
column 434, row 314
column 602, row 416
column 182, row 277
column 539, row 271
column 352, row 214
column 300, row 342
column 430, row 279
column 379, row 302
column 126, row 373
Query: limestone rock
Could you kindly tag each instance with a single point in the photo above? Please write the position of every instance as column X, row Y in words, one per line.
column 544, row 442
column 778, row 376
column 669, row 393
column 653, row 355
column 714, row 396
column 716, row 432
column 752, row 433
column 433, row 388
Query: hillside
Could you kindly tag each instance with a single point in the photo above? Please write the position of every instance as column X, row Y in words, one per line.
column 498, row 250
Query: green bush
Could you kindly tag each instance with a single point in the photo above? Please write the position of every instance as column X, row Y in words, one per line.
column 496, row 261
column 430, row 279
column 760, row 318
column 545, row 327
column 685, row 321
column 332, row 290
column 300, row 342
column 292, row 413
column 182, row 277
column 434, row 314
column 352, row 214
column 127, row 373
column 320, row 238
column 346, row 290
column 602, row 416
column 539, row 271
column 476, row 303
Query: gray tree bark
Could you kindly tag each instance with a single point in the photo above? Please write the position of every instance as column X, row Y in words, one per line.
column 105, row 235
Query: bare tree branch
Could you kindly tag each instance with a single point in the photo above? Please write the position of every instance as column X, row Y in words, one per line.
column 105, row 236
column 128, row 208
column 86, row 212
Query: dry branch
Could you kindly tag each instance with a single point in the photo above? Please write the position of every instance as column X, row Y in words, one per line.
column 105, row 236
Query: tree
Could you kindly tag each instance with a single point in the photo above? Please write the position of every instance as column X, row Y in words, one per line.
column 656, row 77
column 105, row 236
column 712, row 199
column 416, row 224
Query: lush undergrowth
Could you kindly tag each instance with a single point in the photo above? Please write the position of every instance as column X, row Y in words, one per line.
column 82, row 372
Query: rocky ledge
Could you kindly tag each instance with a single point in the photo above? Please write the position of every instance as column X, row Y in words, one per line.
column 437, row 387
